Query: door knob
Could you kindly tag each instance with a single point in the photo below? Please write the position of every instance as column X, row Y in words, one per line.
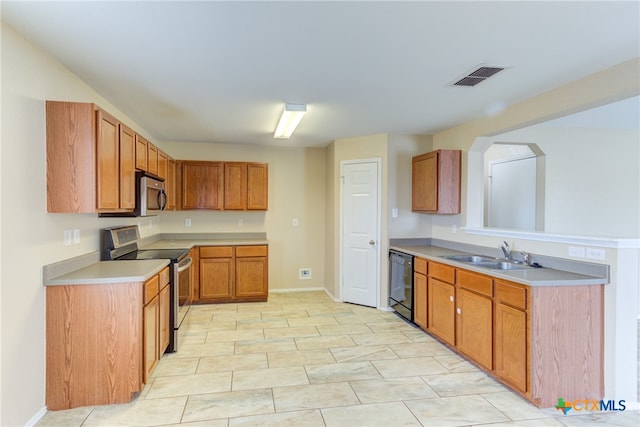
column 372, row 242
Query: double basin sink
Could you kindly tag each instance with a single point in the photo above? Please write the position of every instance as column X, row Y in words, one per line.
column 488, row 262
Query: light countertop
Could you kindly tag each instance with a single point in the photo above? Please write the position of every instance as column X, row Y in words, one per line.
column 188, row 243
column 530, row 277
column 111, row 272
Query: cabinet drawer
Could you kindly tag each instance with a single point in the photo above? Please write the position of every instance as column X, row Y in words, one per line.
column 251, row 251
column 164, row 277
column 151, row 289
column 420, row 265
column 216, row 252
column 511, row 294
column 475, row 282
column 443, row 272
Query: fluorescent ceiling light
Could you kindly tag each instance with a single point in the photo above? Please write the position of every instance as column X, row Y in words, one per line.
column 289, row 120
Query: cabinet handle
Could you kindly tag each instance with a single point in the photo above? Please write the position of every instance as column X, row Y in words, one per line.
column 451, row 298
column 458, row 310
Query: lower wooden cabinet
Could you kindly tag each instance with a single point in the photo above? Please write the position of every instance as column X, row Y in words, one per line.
column 441, row 311
column 155, row 320
column 522, row 335
column 233, row 273
column 102, row 340
column 420, row 292
column 474, row 326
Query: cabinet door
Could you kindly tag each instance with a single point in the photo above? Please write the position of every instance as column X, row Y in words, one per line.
column 152, row 159
column 141, row 153
column 170, row 185
column 425, row 183
column 474, row 326
column 127, row 169
column 163, row 164
column 257, row 186
column 216, row 278
column 150, row 336
column 251, row 277
column 108, row 162
column 164, row 325
column 201, row 185
column 510, row 346
column 420, row 300
column 441, row 309
column 235, row 186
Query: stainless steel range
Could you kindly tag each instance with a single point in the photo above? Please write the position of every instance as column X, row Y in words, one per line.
column 121, row 243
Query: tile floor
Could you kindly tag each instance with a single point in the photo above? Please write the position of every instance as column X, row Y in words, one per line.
column 301, row 359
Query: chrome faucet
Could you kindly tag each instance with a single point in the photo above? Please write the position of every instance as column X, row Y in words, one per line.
column 506, row 250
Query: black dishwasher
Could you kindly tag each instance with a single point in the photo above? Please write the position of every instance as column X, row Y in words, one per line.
column 401, row 283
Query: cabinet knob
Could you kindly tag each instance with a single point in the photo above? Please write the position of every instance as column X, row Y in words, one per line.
column 458, row 310
column 451, row 298
column 372, row 242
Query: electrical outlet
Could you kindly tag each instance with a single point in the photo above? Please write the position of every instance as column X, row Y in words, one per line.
column 576, row 252
column 240, row 223
column 294, row 222
column 67, row 237
column 394, row 213
column 454, row 229
column 187, row 222
column 598, row 254
column 304, row 273
column 76, row 235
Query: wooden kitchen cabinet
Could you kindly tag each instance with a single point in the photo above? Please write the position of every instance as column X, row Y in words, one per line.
column 474, row 316
column 103, row 340
column 510, row 341
column 441, row 309
column 245, row 186
column 257, row 186
column 141, row 153
column 201, row 184
column 436, row 182
column 233, row 273
column 216, row 273
column 155, row 320
column 420, row 292
column 163, row 165
column 520, row 334
column 152, row 159
column 170, row 185
column 251, row 272
column 89, row 160
column 151, row 332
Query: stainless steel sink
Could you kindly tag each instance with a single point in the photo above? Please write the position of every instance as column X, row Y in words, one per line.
column 470, row 258
column 502, row 265
column 488, row 262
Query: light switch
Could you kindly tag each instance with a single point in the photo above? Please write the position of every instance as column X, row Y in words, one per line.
column 67, row 237
column 76, row 235
column 294, row 222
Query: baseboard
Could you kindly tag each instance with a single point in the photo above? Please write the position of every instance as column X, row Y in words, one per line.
column 292, row 290
column 37, row 417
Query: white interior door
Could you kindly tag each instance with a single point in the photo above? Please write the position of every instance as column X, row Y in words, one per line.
column 512, row 194
column 360, row 232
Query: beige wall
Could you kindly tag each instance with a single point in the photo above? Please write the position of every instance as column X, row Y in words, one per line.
column 296, row 190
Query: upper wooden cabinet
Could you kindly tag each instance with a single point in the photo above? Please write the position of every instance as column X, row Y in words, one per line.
column 200, row 184
column 245, row 186
column 90, row 157
column 436, row 182
column 141, row 153
column 222, row 185
column 152, row 159
column 163, row 164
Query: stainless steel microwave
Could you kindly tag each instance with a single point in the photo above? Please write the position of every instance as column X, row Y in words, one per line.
column 151, row 199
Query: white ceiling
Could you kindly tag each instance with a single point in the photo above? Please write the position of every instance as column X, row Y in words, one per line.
column 221, row 71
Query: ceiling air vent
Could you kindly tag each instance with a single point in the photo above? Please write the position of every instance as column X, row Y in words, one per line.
column 477, row 76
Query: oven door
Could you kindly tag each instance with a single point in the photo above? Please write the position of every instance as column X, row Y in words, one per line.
column 181, row 293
